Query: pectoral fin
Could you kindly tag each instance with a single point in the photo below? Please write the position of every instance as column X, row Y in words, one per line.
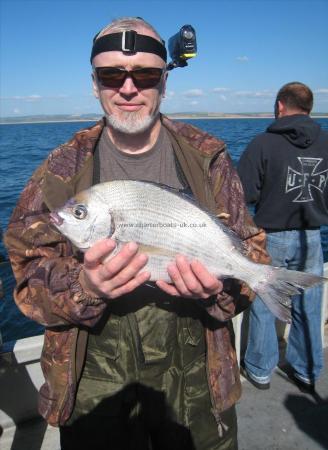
column 155, row 251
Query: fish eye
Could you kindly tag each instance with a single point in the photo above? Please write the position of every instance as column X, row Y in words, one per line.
column 80, row 212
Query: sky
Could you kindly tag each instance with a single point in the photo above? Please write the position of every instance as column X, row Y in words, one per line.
column 247, row 50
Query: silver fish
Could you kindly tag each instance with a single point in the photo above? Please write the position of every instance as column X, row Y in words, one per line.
column 165, row 223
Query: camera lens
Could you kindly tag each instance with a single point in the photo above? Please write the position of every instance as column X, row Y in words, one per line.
column 188, row 34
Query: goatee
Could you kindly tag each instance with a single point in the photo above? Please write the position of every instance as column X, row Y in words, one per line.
column 131, row 122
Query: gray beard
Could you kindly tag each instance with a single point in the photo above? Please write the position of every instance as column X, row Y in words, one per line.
column 130, row 122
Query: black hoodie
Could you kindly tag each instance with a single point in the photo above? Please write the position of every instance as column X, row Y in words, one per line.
column 284, row 172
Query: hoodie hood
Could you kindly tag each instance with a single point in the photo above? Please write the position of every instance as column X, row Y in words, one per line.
column 299, row 129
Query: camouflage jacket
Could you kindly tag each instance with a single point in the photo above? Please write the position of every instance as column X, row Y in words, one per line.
column 46, row 267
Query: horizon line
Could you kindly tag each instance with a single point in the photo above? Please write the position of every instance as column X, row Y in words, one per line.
column 88, row 117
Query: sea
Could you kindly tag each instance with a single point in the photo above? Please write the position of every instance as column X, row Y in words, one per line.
column 24, row 146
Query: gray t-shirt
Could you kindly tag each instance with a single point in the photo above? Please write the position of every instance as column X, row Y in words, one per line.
column 157, row 164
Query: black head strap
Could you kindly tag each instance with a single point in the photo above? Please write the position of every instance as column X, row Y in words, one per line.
column 128, row 41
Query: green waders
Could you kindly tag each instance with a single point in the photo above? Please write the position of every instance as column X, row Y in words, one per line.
column 144, row 385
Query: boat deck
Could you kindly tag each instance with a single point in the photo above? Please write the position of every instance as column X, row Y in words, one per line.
column 281, row 418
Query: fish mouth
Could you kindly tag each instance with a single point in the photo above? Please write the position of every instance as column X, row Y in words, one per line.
column 56, row 219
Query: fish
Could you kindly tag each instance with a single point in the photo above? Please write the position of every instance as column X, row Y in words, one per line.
column 165, row 222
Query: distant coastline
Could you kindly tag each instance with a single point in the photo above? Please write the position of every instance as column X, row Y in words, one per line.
column 95, row 117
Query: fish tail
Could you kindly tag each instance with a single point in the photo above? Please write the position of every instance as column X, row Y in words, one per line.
column 279, row 284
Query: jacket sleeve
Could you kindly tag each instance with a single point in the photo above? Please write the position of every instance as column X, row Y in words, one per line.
column 232, row 210
column 47, row 273
column 250, row 170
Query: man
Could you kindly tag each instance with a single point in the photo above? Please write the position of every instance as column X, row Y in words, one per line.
column 130, row 365
column 284, row 173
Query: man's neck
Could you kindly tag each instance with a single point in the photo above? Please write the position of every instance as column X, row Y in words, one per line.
column 292, row 112
column 135, row 143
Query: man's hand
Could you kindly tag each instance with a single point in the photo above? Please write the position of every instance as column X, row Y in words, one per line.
column 190, row 279
column 114, row 277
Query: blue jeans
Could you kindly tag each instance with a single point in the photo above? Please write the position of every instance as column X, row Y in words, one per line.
column 297, row 250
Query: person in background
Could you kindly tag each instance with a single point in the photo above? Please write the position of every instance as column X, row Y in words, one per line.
column 129, row 365
column 284, row 174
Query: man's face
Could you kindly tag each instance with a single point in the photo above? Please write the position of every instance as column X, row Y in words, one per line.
column 129, row 109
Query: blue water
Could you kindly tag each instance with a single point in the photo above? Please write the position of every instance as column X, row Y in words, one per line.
column 24, row 146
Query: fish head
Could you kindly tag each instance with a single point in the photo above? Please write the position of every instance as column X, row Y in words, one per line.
column 84, row 219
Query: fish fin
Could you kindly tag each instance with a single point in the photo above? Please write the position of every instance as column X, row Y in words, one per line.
column 236, row 241
column 152, row 250
column 143, row 248
column 186, row 192
column 278, row 287
column 112, row 228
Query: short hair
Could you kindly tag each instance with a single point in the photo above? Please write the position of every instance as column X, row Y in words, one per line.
column 297, row 96
column 127, row 23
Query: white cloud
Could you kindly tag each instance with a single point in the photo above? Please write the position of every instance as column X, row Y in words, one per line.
column 221, row 89
column 34, row 97
column 321, row 91
column 244, row 93
column 27, row 98
column 254, row 94
column 242, row 58
column 168, row 95
column 223, row 98
column 194, row 93
column 264, row 94
column 194, row 102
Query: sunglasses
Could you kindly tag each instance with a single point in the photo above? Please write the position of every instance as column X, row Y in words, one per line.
column 113, row 77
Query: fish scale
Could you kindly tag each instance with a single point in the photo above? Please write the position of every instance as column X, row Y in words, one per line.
column 153, row 208
column 175, row 239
